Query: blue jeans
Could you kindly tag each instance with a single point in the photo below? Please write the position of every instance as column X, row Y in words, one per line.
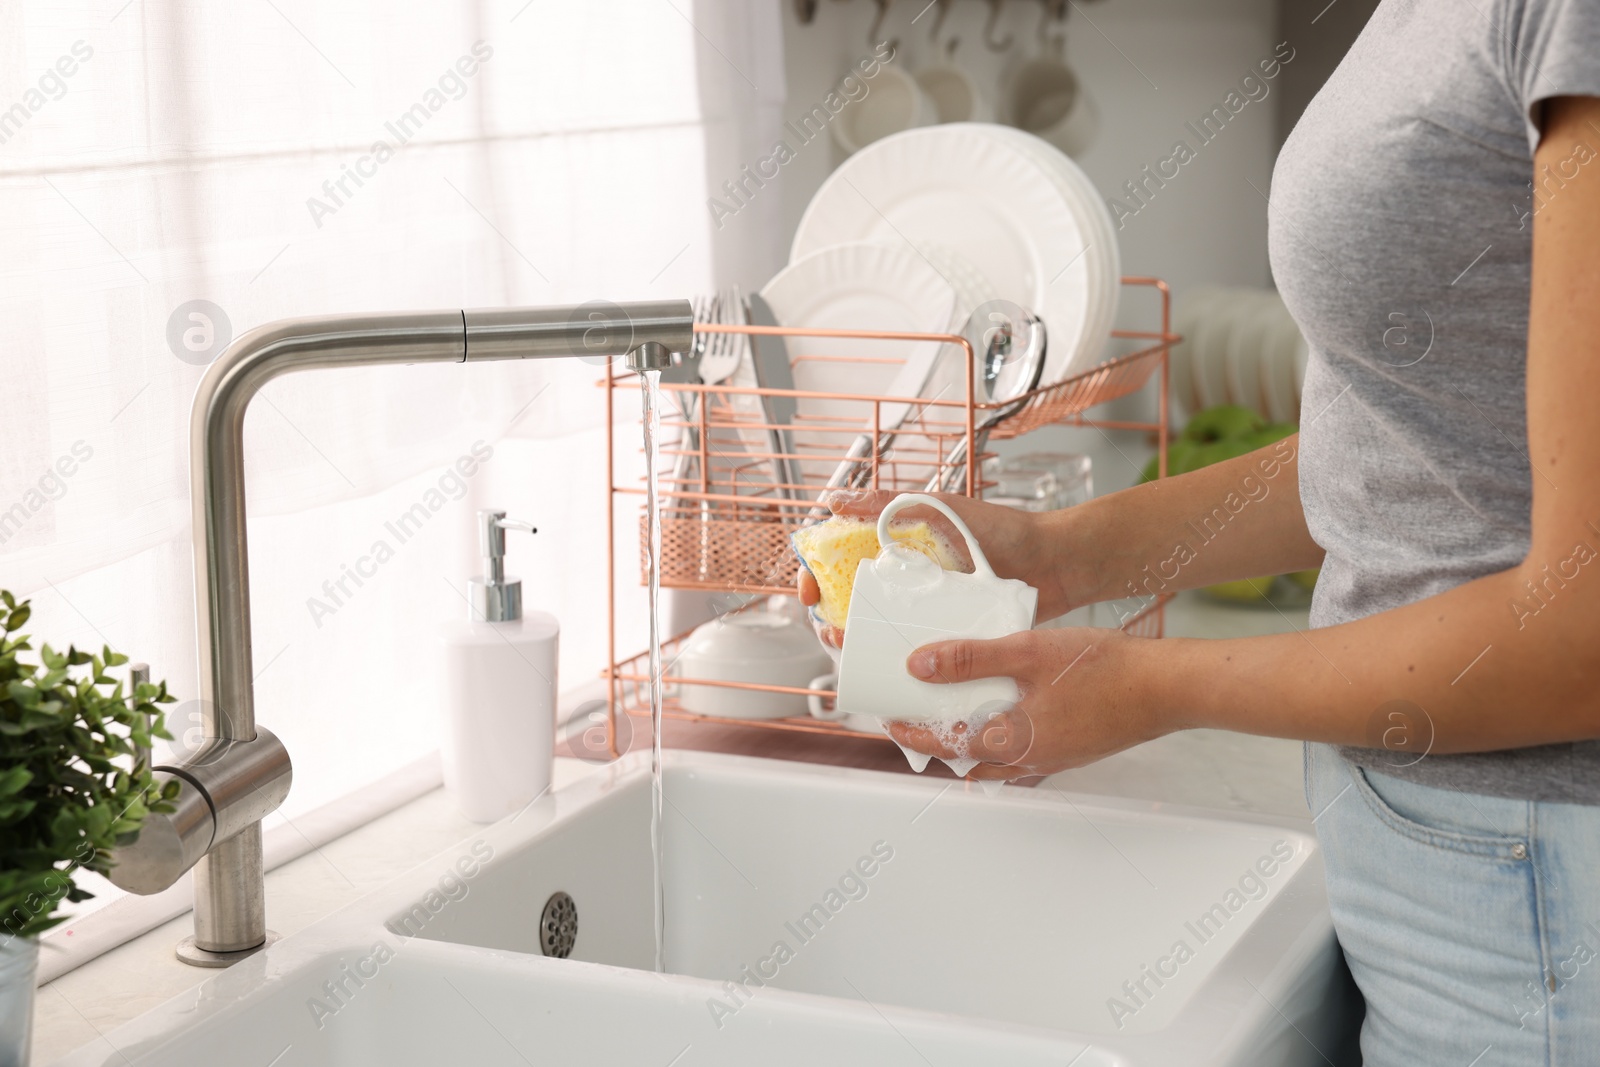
column 1470, row 923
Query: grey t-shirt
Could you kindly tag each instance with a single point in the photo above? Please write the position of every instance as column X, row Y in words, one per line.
column 1400, row 234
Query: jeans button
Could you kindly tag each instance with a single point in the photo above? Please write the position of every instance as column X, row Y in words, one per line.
column 1520, row 851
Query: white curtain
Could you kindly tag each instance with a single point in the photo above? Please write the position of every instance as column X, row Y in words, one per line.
column 284, row 157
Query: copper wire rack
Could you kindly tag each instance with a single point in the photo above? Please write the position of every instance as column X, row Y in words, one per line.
column 729, row 499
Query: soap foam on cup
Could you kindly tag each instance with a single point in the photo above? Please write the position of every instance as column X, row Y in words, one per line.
column 956, row 735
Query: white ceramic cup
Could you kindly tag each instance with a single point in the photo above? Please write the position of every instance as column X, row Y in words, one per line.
column 898, row 604
column 749, row 646
column 894, row 102
column 955, row 95
column 1044, row 97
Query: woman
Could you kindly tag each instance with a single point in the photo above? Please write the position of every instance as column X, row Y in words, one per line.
column 1447, row 480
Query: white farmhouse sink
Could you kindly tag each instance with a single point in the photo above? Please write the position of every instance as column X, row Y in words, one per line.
column 813, row 915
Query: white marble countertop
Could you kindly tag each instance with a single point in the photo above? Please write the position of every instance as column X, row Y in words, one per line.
column 1204, row 768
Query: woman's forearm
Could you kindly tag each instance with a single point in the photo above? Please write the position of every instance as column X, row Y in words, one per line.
column 1237, row 519
column 1505, row 661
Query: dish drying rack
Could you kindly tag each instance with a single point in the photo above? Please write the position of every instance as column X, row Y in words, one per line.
column 725, row 526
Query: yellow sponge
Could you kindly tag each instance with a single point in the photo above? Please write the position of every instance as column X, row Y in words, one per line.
column 832, row 551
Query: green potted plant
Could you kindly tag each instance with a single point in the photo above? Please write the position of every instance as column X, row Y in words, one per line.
column 74, row 784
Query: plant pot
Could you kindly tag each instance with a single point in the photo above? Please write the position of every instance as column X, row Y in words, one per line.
column 19, row 963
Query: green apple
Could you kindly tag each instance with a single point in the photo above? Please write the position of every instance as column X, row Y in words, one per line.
column 1216, row 434
column 1306, row 580
column 1219, row 451
column 1223, row 422
column 1245, row 591
column 1180, row 459
column 1270, row 434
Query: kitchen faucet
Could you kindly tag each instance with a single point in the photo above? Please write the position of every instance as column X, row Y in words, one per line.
column 241, row 772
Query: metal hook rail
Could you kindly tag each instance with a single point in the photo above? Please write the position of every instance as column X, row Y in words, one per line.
column 806, row 12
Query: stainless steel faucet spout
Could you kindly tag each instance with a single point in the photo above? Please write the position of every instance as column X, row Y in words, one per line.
column 597, row 330
column 235, row 785
column 652, row 355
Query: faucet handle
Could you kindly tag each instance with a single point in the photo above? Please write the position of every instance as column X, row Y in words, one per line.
column 224, row 787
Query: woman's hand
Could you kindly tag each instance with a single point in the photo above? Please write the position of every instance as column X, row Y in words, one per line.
column 1018, row 544
column 1081, row 700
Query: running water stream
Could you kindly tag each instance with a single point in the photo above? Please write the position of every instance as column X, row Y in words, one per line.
column 650, row 385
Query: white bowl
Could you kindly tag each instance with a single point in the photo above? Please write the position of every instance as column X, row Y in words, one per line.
column 750, row 646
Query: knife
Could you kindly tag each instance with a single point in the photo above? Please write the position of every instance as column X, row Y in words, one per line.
column 769, row 357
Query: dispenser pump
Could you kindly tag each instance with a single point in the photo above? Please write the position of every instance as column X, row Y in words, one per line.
column 493, row 597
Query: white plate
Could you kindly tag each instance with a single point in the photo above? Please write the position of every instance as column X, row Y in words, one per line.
column 1302, row 356
column 1180, row 363
column 1211, row 339
column 1257, row 315
column 948, row 378
column 1104, row 254
column 858, row 286
column 1277, row 366
column 978, row 193
column 1190, row 318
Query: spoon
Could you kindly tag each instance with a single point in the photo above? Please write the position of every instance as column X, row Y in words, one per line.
column 1010, row 342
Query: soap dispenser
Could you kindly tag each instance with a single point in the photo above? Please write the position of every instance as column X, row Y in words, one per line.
column 500, row 696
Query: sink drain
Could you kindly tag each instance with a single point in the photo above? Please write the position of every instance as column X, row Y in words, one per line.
column 558, row 926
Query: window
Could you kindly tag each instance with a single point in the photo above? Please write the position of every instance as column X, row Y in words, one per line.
column 174, row 174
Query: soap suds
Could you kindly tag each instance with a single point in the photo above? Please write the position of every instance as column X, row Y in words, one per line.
column 918, row 760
